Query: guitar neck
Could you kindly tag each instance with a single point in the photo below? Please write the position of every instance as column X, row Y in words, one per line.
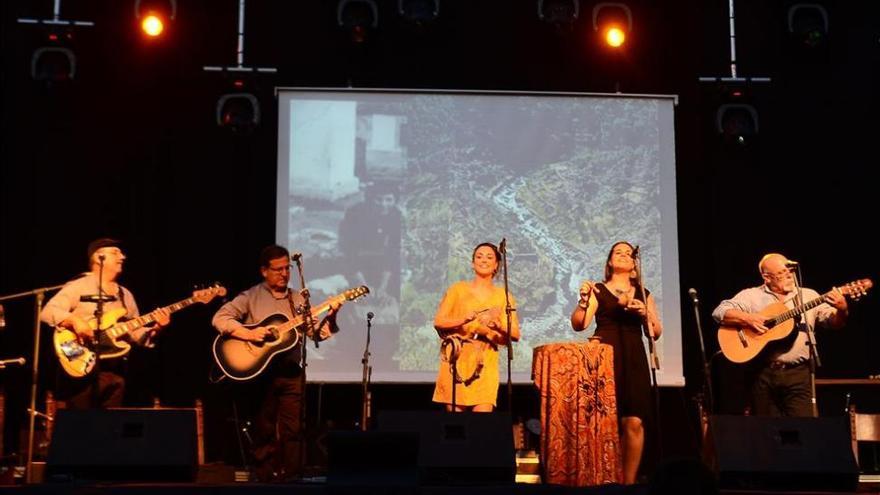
column 131, row 325
column 803, row 308
column 316, row 310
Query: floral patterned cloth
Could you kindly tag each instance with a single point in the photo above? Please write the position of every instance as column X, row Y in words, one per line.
column 579, row 432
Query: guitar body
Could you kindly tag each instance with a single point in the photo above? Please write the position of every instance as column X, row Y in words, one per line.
column 741, row 344
column 243, row 360
column 78, row 358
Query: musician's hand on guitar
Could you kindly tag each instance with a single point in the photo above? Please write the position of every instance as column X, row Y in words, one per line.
column 334, row 307
column 836, row 299
column 259, row 334
column 755, row 321
column 163, row 317
column 79, row 327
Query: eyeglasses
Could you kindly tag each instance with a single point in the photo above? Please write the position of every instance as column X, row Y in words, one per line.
column 780, row 274
column 279, row 269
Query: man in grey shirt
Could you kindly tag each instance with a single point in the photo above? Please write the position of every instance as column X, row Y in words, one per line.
column 277, row 441
column 781, row 385
column 67, row 310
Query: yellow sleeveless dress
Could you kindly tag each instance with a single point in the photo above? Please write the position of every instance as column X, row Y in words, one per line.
column 483, row 390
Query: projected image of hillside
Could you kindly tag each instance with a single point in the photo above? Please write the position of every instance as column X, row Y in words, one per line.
column 393, row 191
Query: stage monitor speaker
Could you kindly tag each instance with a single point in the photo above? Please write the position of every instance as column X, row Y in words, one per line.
column 372, row 458
column 129, row 445
column 759, row 452
column 458, row 448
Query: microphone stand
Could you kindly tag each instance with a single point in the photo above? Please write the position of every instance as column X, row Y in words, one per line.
column 502, row 248
column 99, row 315
column 814, row 360
column 309, row 323
column 705, row 399
column 35, row 369
column 365, row 380
column 652, row 348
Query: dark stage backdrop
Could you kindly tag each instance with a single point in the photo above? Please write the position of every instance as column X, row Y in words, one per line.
column 131, row 150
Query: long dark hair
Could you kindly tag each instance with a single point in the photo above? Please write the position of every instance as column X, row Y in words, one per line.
column 494, row 250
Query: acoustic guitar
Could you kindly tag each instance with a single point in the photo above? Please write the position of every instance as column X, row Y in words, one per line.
column 742, row 344
column 244, row 359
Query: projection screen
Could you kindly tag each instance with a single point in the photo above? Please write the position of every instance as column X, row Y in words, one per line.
column 394, row 189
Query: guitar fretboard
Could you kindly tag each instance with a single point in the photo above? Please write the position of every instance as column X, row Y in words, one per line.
column 803, row 308
column 131, row 325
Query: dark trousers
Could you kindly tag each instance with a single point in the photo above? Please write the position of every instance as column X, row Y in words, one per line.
column 278, row 435
column 98, row 391
column 782, row 392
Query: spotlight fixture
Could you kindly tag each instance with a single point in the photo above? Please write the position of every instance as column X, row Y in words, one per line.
column 154, row 16
column 613, row 22
column 358, row 17
column 737, row 123
column 808, row 24
column 238, row 112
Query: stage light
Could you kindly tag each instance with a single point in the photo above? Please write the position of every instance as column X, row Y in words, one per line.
column 808, row 24
column 737, row 123
column 152, row 25
column 154, row 16
column 238, row 112
column 614, row 36
column 613, row 22
column 357, row 17
column 419, row 11
column 559, row 12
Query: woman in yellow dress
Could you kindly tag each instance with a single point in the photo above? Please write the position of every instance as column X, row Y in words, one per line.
column 472, row 322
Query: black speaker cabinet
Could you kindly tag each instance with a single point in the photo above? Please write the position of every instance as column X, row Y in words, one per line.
column 756, row 452
column 372, row 458
column 458, row 448
column 130, row 445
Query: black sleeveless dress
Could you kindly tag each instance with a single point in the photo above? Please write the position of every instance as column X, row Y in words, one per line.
column 623, row 331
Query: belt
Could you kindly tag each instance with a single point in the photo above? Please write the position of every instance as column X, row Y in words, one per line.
column 781, row 365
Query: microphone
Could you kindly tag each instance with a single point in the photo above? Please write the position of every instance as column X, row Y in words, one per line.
column 6, row 362
column 296, row 256
column 791, row 264
column 102, row 257
column 502, row 246
column 693, row 293
column 370, row 316
column 635, row 252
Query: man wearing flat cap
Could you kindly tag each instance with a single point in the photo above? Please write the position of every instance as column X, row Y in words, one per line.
column 67, row 309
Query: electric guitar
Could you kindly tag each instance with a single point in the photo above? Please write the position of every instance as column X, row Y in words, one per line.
column 244, row 359
column 78, row 357
column 741, row 344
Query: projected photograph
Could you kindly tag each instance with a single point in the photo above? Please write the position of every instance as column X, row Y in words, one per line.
column 394, row 190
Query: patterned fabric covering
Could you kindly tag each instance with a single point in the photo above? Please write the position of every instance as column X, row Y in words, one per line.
column 579, row 433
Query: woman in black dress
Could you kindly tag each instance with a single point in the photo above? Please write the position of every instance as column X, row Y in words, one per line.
column 619, row 310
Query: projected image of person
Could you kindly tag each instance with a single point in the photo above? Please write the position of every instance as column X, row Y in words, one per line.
column 369, row 236
column 472, row 323
column 619, row 311
column 780, row 383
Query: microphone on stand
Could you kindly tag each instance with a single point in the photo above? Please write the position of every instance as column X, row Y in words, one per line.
column 502, row 246
column 635, row 252
column 295, row 256
column 370, row 316
column 791, row 264
column 693, row 293
column 11, row 362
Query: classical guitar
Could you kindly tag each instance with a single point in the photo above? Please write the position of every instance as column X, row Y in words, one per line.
column 243, row 359
column 78, row 357
column 741, row 344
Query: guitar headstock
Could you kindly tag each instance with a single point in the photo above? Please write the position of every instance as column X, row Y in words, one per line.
column 356, row 292
column 857, row 289
column 205, row 296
